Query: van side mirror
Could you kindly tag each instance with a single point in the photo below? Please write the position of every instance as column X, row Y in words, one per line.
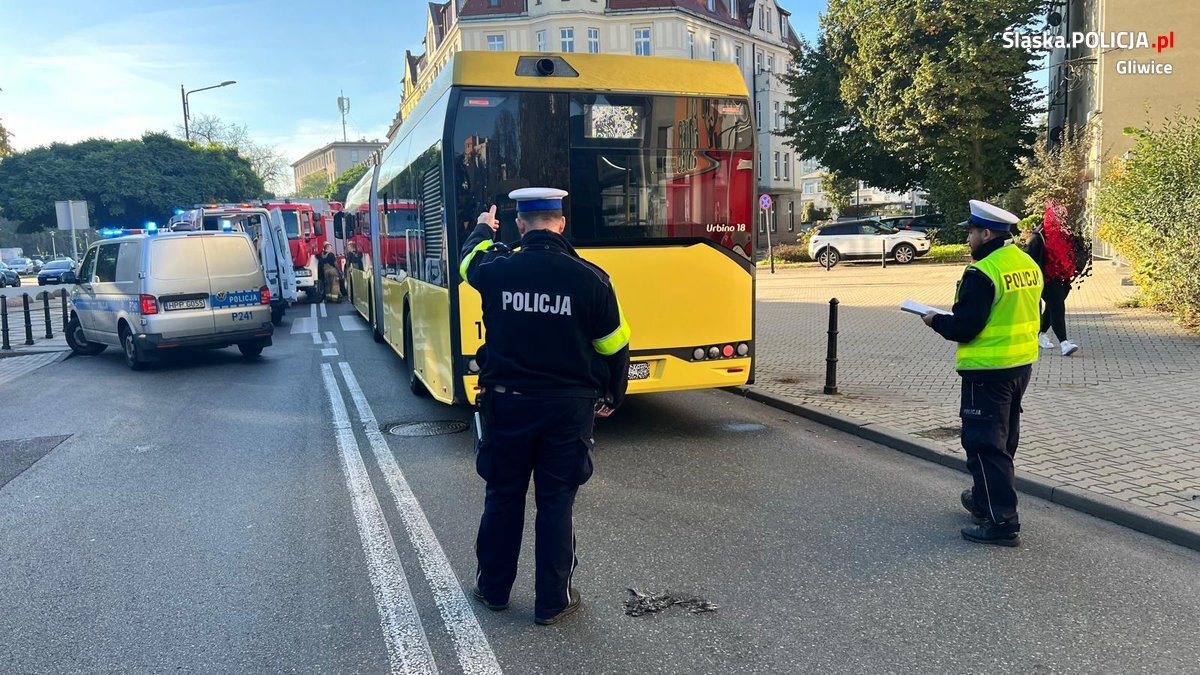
column 68, row 277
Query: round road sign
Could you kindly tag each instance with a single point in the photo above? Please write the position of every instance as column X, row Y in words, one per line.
column 764, row 202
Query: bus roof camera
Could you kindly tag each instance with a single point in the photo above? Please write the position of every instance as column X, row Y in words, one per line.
column 545, row 67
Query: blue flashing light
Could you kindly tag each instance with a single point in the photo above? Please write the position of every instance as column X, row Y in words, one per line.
column 179, row 212
column 151, row 227
column 227, row 225
column 109, row 232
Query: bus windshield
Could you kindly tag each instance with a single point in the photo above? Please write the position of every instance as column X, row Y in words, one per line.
column 639, row 168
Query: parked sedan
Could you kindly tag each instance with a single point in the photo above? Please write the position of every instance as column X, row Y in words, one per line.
column 8, row 276
column 20, row 265
column 53, row 271
column 865, row 239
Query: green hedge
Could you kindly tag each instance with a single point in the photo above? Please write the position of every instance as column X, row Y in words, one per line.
column 1149, row 209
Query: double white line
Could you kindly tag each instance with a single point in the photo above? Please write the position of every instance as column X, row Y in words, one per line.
column 404, row 635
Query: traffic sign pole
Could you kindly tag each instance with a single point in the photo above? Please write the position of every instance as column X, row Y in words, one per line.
column 764, row 205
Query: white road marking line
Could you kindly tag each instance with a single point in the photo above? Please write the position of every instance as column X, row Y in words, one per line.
column 323, row 314
column 312, row 310
column 329, row 351
column 352, row 322
column 316, row 338
column 329, row 338
column 474, row 652
column 404, row 636
column 304, row 324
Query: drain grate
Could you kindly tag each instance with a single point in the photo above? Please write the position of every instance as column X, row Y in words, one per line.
column 414, row 429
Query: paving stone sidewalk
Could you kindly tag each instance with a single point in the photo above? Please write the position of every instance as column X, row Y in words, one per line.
column 1117, row 418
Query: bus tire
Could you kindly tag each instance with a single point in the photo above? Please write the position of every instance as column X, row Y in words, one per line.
column 376, row 330
column 414, row 383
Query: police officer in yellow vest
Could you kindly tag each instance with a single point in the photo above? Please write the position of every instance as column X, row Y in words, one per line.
column 995, row 321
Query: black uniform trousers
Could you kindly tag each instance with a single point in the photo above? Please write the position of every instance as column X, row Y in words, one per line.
column 549, row 438
column 1054, row 315
column 991, row 425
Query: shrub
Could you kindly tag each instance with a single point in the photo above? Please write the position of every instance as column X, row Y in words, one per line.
column 791, row 253
column 1149, row 208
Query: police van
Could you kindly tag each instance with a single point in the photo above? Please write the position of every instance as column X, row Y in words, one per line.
column 148, row 293
column 266, row 230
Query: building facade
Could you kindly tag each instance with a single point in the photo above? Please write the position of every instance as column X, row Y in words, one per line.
column 334, row 159
column 1114, row 86
column 756, row 35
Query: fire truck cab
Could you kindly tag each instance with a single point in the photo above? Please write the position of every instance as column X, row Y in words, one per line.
column 305, row 236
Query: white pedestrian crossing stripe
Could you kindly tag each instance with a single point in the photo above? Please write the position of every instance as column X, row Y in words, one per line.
column 352, row 322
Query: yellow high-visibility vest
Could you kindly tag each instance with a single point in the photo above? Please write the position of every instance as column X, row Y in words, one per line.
column 1010, row 337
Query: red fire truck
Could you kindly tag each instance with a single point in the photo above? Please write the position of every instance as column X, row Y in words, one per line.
column 397, row 217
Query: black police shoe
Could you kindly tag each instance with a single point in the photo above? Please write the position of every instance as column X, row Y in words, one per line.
column 991, row 533
column 495, row 607
column 576, row 602
column 968, row 502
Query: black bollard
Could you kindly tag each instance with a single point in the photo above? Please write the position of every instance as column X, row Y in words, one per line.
column 28, row 320
column 831, row 354
column 46, row 313
column 4, row 323
column 66, row 319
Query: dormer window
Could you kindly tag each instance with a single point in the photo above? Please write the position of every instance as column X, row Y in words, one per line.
column 712, row 5
column 733, row 8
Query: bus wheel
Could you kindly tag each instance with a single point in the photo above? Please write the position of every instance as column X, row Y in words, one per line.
column 376, row 330
column 414, row 383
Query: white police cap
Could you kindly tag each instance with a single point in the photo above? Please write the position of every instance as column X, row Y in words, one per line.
column 538, row 199
column 991, row 216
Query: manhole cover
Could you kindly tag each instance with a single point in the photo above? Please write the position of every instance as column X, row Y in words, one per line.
column 941, row 433
column 440, row 428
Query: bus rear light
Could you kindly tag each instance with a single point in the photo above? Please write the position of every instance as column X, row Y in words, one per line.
column 264, row 296
column 727, row 351
column 149, row 305
column 743, row 349
column 698, row 354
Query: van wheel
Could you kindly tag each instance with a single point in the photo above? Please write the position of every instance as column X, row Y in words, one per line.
column 414, row 383
column 250, row 349
column 828, row 257
column 904, row 253
column 78, row 342
column 132, row 359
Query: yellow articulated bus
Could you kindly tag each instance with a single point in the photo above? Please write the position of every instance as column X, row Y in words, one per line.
column 658, row 157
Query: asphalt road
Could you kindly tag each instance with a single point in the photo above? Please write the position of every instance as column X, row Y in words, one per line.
column 216, row 515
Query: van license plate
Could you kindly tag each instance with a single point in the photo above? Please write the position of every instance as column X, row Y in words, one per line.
column 639, row 371
column 183, row 304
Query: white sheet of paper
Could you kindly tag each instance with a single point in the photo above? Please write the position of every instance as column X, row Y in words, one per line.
column 920, row 309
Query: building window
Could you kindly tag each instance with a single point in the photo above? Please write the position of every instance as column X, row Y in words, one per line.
column 733, row 9
column 812, row 187
column 774, row 216
column 775, row 125
column 593, row 40
column 712, row 5
column 776, row 174
column 760, row 171
column 691, row 45
column 567, row 38
column 354, row 156
column 758, row 63
column 641, row 42
column 737, row 56
column 714, row 48
column 541, row 40
column 770, row 64
column 787, row 162
column 783, row 31
column 770, row 22
column 758, row 114
column 760, row 21
column 495, row 43
column 791, row 216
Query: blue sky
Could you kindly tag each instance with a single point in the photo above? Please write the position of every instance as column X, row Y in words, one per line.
column 73, row 69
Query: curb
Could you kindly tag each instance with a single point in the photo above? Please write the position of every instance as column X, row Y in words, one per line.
column 1100, row 506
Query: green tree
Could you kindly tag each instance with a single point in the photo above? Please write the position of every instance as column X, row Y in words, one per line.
column 806, row 212
column 340, row 188
column 270, row 164
column 838, row 190
column 125, row 182
column 1149, row 205
column 6, row 148
column 918, row 92
column 313, row 186
column 1060, row 175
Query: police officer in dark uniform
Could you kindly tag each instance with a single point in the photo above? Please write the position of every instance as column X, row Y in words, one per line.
column 995, row 321
column 556, row 356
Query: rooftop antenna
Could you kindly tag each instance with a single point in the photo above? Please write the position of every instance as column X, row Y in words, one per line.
column 344, row 109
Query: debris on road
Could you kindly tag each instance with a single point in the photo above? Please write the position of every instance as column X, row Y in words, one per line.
column 649, row 602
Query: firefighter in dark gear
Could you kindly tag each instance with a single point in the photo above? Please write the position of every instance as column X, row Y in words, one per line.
column 556, row 356
column 995, row 321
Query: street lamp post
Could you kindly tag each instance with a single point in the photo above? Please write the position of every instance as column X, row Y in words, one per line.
column 187, row 134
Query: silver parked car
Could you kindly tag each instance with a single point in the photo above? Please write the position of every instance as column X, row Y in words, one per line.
column 147, row 293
